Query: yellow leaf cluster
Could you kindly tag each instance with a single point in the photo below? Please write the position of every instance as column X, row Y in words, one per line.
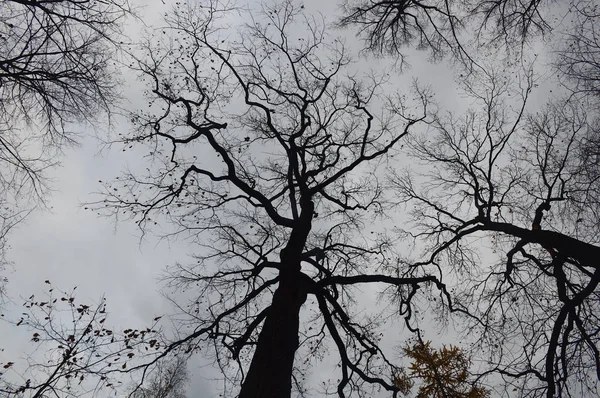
column 443, row 373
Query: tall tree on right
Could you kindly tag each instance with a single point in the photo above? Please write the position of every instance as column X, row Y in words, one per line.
column 507, row 196
column 503, row 201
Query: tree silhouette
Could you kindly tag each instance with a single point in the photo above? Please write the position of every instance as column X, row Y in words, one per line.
column 463, row 29
column 526, row 181
column 390, row 26
column 514, row 180
column 75, row 353
column 265, row 149
column 55, row 69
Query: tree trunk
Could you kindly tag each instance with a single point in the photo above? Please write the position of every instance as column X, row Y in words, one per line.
column 270, row 372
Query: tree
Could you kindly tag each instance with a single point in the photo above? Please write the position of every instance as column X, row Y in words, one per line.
column 264, row 148
column 55, row 70
column 464, row 29
column 55, row 66
column 578, row 58
column 264, row 153
column 578, row 61
column 168, row 380
column 443, row 373
column 9, row 218
column 512, row 179
column 75, row 353
column 525, row 180
column 389, row 26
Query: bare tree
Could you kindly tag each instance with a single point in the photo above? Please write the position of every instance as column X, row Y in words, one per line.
column 265, row 149
column 75, row 353
column 498, row 183
column 55, row 69
column 454, row 27
column 55, row 66
column 9, row 218
column 390, row 26
column 526, row 182
column 578, row 59
column 168, row 380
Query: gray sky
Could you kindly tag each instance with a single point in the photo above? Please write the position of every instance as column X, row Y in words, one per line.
column 71, row 246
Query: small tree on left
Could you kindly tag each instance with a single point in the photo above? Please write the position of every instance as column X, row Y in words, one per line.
column 75, row 353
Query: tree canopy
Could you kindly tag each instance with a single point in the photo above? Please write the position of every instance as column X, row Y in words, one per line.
column 329, row 205
column 269, row 160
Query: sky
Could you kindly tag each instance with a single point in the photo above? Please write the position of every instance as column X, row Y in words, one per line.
column 72, row 246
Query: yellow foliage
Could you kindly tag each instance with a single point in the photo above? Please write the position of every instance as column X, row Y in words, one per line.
column 443, row 373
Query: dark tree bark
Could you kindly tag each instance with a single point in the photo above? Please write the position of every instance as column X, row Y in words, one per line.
column 271, row 369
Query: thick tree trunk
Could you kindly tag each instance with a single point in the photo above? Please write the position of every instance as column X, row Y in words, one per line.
column 270, row 372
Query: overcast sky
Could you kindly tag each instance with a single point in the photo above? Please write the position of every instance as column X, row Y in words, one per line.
column 71, row 246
